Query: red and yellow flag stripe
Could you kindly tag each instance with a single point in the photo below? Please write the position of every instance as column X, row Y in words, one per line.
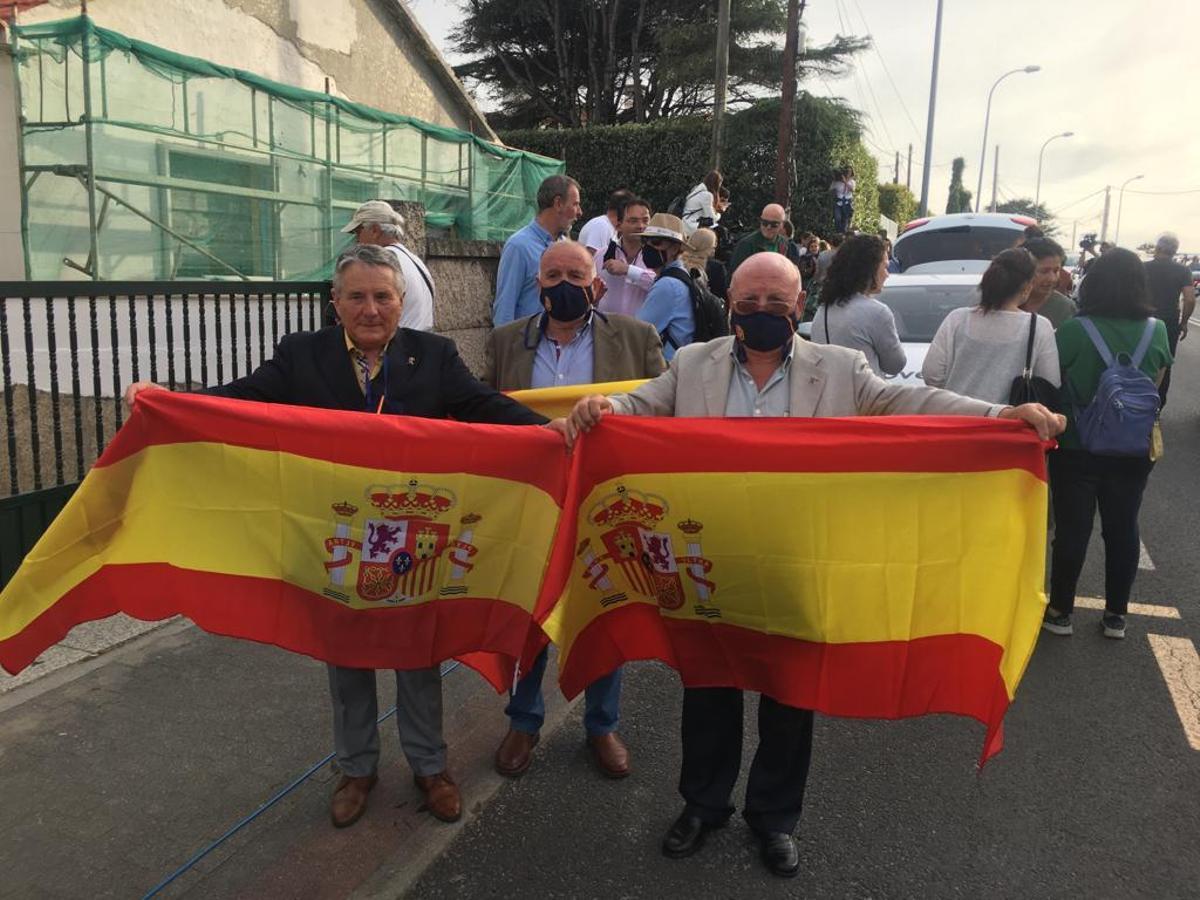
column 881, row 568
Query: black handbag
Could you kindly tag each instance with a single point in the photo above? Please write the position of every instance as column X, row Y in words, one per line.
column 1030, row 388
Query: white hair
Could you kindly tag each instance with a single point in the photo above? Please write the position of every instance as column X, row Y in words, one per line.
column 395, row 231
column 370, row 255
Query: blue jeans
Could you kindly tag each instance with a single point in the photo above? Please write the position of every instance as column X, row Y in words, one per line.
column 527, row 708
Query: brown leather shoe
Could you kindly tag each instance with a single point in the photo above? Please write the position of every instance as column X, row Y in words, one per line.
column 350, row 799
column 610, row 753
column 515, row 753
column 441, row 796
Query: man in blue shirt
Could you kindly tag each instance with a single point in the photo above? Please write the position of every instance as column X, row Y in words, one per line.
column 517, row 293
column 668, row 305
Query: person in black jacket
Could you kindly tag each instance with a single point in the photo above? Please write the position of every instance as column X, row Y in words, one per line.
column 367, row 363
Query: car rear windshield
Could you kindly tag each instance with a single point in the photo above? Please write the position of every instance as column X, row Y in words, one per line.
column 919, row 310
column 959, row 242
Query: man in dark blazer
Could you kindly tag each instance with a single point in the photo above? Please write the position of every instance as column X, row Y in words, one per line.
column 367, row 363
column 568, row 343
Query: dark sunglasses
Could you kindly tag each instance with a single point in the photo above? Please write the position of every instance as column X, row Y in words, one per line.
column 769, row 223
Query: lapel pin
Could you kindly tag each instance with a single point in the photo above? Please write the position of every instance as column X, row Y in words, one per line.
column 412, row 360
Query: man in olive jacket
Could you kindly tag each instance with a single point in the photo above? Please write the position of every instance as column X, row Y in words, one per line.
column 569, row 343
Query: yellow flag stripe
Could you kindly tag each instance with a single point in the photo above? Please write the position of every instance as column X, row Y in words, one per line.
column 557, row 402
column 216, row 508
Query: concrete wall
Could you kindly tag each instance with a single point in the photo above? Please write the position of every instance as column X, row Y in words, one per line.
column 12, row 263
column 359, row 44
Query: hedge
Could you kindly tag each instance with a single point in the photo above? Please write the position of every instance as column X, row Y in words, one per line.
column 665, row 159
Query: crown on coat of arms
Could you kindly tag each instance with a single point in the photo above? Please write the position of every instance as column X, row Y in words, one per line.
column 420, row 501
column 690, row 527
column 629, row 506
column 470, row 518
column 345, row 509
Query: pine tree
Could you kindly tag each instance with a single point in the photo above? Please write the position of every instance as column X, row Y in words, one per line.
column 959, row 198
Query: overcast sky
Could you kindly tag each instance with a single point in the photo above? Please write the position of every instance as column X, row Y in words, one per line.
column 1117, row 74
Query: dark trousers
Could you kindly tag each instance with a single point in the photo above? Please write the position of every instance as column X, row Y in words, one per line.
column 1173, row 341
column 712, row 759
column 1079, row 482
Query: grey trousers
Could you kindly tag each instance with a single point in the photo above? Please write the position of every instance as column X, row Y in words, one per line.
column 418, row 718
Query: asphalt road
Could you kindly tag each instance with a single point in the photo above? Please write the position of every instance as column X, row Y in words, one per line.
column 1097, row 793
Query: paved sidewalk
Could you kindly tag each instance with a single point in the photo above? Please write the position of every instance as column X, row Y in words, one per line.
column 115, row 771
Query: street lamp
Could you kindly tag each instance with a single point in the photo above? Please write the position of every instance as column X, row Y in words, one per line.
column 1120, row 201
column 1029, row 70
column 1038, row 193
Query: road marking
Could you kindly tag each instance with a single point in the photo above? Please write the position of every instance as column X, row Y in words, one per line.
column 1145, row 563
column 1180, row 666
column 1135, row 609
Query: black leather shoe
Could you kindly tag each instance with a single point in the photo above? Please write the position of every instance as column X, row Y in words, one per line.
column 780, row 853
column 686, row 836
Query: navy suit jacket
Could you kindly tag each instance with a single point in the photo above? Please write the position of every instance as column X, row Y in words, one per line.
column 422, row 375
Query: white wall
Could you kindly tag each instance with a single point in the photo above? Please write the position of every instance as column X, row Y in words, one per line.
column 12, row 264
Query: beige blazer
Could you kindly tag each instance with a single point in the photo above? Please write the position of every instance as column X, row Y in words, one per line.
column 624, row 349
column 825, row 381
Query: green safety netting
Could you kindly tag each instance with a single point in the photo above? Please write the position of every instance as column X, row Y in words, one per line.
column 203, row 170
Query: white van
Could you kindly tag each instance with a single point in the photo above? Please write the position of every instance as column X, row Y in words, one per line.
column 958, row 243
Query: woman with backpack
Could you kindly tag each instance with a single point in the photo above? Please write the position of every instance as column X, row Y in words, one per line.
column 850, row 316
column 979, row 350
column 1113, row 355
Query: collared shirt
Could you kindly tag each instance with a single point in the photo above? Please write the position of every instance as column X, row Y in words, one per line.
column 363, row 374
column 418, row 289
column 626, row 293
column 558, row 365
column 745, row 399
column 517, row 293
column 668, row 308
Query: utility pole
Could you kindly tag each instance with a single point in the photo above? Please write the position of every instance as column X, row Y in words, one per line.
column 722, row 82
column 908, row 174
column 923, row 208
column 896, row 177
column 995, row 175
column 787, row 107
column 1104, row 220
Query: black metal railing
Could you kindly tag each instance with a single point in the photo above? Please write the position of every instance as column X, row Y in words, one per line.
column 63, row 393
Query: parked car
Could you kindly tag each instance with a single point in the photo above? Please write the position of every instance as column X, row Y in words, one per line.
column 920, row 302
column 957, row 243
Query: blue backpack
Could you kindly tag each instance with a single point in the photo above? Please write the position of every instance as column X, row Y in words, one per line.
column 1121, row 416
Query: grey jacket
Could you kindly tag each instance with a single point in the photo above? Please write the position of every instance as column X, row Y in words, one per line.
column 825, row 381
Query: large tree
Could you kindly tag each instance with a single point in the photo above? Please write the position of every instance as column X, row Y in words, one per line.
column 571, row 63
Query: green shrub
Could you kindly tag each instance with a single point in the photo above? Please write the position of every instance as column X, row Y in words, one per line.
column 897, row 203
column 667, row 158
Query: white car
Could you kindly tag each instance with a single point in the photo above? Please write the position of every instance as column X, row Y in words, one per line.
column 920, row 303
column 960, row 243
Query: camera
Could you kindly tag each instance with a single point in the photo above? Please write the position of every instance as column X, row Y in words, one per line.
column 1088, row 243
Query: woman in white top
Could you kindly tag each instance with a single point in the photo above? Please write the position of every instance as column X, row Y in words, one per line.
column 850, row 316
column 700, row 204
column 979, row 350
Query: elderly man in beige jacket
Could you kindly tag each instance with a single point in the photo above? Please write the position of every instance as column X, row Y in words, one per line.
column 763, row 370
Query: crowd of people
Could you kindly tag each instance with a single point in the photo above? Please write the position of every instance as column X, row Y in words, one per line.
column 642, row 294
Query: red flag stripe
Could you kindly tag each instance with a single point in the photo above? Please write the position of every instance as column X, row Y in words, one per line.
column 274, row 612
column 952, row 673
column 398, row 443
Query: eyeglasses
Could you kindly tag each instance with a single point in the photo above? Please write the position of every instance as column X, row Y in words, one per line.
column 769, row 223
column 750, row 307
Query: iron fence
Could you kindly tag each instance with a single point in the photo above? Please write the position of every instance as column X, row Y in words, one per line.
column 62, row 391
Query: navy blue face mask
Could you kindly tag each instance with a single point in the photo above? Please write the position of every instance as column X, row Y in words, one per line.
column 762, row 331
column 566, row 302
column 653, row 257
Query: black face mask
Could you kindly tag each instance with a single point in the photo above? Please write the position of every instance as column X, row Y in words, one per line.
column 653, row 257
column 567, row 302
column 763, row 331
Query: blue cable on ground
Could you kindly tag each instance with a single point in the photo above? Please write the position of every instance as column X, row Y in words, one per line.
column 312, row 770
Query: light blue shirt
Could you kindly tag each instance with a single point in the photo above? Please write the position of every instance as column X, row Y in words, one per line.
column 517, row 293
column 775, row 398
column 668, row 308
column 558, row 365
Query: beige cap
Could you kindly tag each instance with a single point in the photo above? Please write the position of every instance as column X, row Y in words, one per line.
column 663, row 225
column 373, row 212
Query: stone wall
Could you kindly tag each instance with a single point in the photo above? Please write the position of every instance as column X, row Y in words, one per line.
column 464, row 274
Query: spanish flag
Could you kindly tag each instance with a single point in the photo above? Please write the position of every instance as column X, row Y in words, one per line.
column 557, row 402
column 883, row 567
column 368, row 541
